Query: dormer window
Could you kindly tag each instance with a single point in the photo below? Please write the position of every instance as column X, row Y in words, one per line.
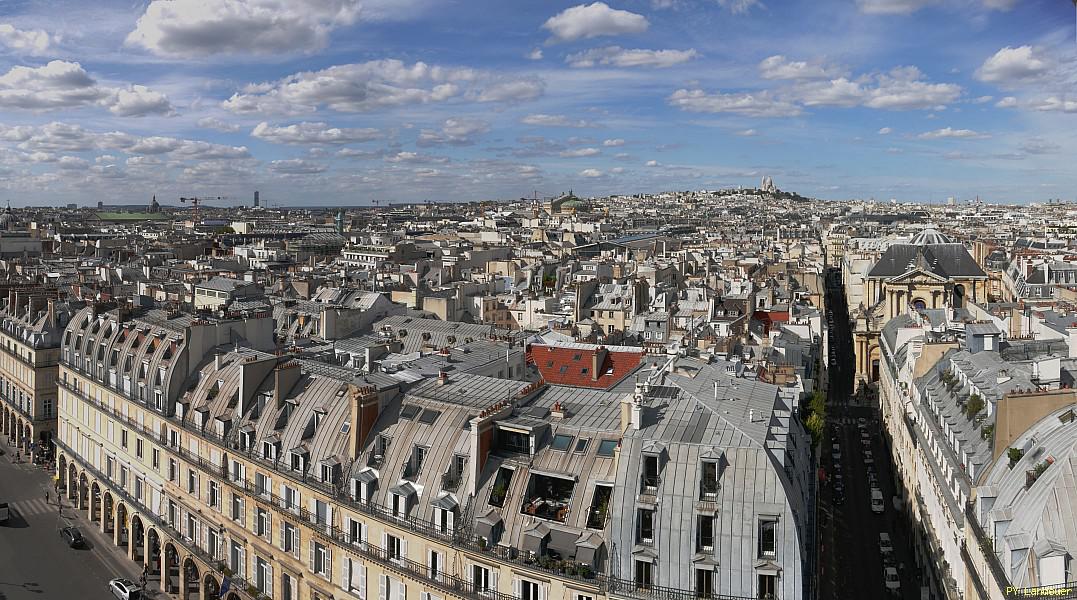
column 649, row 480
column 269, row 450
column 708, row 483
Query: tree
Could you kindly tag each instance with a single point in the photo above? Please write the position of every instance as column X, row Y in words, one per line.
column 816, row 425
column 974, row 405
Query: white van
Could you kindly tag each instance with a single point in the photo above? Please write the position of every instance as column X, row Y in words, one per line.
column 877, row 501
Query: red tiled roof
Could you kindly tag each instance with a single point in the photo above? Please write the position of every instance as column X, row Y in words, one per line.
column 574, row 365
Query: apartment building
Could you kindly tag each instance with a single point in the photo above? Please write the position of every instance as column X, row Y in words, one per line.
column 31, row 323
column 216, row 463
column 956, row 396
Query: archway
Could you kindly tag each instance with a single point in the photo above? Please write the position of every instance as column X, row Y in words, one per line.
column 84, row 492
column 72, row 481
column 213, row 588
column 61, row 473
column 919, row 304
column 27, row 438
column 153, row 552
column 874, row 357
column 193, row 581
column 123, row 533
column 959, row 296
column 108, row 504
column 170, row 571
column 138, row 542
column 95, row 502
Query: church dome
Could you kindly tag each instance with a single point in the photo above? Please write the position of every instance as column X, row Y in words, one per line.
column 928, row 237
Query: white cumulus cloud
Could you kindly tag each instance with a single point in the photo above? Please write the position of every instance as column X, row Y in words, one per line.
column 580, row 152
column 30, row 41
column 313, row 133
column 592, row 173
column 198, row 28
column 1010, row 66
column 593, row 20
column 62, row 84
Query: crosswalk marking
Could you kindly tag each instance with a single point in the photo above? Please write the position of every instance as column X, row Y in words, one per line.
column 34, row 507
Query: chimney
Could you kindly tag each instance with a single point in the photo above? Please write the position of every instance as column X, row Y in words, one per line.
column 443, row 378
column 598, row 360
column 364, row 412
column 217, row 360
column 37, row 303
column 632, row 409
column 285, row 376
column 52, row 311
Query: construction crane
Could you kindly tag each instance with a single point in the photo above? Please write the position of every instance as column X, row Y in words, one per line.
column 196, row 202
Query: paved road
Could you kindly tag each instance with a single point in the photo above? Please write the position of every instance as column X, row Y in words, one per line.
column 851, row 564
column 34, row 561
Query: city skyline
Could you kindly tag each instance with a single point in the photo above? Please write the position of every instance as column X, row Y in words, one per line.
column 347, row 102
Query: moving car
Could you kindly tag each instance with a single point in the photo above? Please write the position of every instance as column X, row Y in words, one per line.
column 124, row 589
column 877, row 505
column 5, row 512
column 885, row 545
column 72, row 537
column 891, row 579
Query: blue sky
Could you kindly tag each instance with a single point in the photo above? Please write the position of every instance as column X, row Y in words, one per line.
column 350, row 101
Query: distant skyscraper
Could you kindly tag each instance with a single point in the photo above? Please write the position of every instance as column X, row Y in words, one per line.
column 256, row 198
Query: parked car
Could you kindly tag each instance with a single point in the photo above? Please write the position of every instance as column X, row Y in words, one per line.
column 5, row 512
column 835, row 452
column 839, row 497
column 869, row 459
column 72, row 537
column 885, row 545
column 861, row 422
column 872, row 479
column 125, row 589
column 892, row 581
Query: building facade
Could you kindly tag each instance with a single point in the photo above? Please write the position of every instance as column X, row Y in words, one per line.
column 217, row 464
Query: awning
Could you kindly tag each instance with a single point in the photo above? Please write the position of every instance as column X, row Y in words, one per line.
column 487, row 524
column 445, row 502
column 564, row 542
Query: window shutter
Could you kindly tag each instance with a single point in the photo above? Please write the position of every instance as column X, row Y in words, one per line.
column 313, row 510
column 205, row 535
column 327, row 567
column 254, row 567
column 295, row 542
column 382, row 583
column 493, row 580
column 401, row 591
column 449, row 519
column 403, row 548
column 430, row 562
column 348, row 530
column 282, row 533
column 312, row 556
column 283, row 496
column 269, row 580
column 516, row 587
column 543, row 590
column 346, row 573
column 424, row 596
column 385, row 541
column 328, row 518
column 362, row 581
column 362, row 533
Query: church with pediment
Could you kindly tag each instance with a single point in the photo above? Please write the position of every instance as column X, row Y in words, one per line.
column 929, row 272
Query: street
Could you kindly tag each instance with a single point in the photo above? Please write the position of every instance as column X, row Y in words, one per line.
column 851, row 560
column 34, row 561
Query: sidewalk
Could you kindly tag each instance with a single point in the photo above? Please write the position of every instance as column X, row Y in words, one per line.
column 112, row 556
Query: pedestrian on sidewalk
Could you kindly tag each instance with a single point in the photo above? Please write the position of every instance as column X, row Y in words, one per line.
column 46, row 496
